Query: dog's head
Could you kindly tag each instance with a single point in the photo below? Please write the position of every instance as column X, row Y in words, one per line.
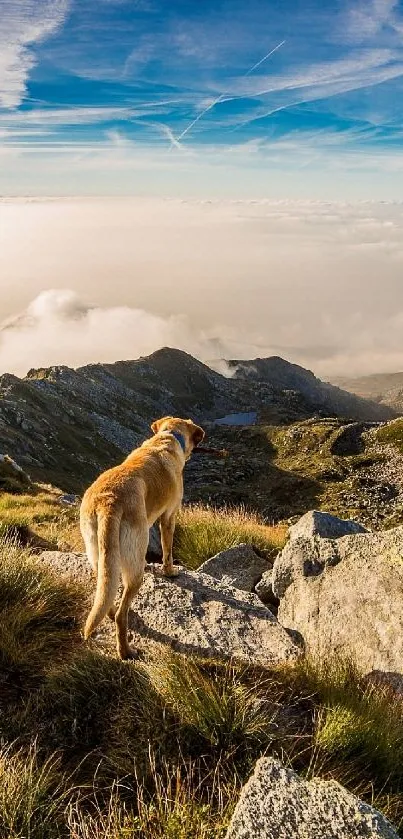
column 191, row 433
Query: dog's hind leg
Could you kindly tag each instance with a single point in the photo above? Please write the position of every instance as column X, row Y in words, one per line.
column 133, row 549
column 108, row 572
column 167, row 529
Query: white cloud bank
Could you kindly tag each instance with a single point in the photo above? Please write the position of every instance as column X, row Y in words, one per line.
column 59, row 328
column 100, row 280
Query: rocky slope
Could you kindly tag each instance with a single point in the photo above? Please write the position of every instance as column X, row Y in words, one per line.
column 66, row 425
column 322, row 396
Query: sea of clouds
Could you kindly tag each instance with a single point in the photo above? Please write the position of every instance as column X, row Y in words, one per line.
column 88, row 280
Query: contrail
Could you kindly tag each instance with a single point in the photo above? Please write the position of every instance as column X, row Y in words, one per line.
column 281, row 44
column 223, row 95
column 199, row 116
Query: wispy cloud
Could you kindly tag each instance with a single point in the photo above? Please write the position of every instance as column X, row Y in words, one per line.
column 24, row 24
column 367, row 18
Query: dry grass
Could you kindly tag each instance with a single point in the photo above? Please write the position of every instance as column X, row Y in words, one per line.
column 203, row 531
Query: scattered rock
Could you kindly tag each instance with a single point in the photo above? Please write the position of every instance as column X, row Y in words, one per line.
column 345, row 597
column 239, row 566
column 69, row 499
column 277, row 804
column 317, row 523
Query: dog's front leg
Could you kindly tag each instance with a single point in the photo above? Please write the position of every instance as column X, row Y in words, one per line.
column 167, row 529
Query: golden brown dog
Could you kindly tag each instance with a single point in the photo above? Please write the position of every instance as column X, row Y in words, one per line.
column 119, row 508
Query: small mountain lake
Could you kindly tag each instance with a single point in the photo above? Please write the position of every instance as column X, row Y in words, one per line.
column 246, row 418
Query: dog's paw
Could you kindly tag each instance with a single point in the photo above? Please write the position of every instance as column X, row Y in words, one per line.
column 171, row 571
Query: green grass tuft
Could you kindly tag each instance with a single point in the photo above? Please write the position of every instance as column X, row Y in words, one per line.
column 218, row 705
column 32, row 795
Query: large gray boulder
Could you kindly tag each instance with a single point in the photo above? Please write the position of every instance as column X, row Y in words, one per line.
column 310, row 548
column 277, row 804
column 345, row 597
column 240, row 566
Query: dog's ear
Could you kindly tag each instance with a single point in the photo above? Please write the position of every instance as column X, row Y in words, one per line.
column 155, row 426
column 197, row 433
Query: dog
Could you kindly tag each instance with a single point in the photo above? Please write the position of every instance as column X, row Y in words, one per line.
column 117, row 511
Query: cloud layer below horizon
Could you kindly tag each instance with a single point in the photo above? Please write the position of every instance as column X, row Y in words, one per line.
column 100, row 280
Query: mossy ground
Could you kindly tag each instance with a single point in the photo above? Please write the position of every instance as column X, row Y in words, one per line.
column 392, row 433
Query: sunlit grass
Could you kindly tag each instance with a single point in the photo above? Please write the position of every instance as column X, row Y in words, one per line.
column 204, row 531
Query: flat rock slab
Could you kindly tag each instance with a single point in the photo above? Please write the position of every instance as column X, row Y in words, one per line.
column 277, row 804
column 348, row 600
column 196, row 614
column 239, row 566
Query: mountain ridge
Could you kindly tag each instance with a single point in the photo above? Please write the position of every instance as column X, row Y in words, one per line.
column 70, row 424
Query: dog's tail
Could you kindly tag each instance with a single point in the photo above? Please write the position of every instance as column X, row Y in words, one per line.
column 108, row 574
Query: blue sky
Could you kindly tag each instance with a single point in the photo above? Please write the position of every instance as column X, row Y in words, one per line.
column 163, row 97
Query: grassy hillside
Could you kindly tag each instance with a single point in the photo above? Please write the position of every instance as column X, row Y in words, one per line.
column 94, row 747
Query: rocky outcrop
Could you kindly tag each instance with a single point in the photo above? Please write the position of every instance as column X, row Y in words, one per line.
column 239, row 566
column 277, row 804
column 345, row 596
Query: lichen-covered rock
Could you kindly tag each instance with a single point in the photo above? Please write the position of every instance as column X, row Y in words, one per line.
column 301, row 557
column 239, row 566
column 75, row 565
column 311, row 546
column 277, row 804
